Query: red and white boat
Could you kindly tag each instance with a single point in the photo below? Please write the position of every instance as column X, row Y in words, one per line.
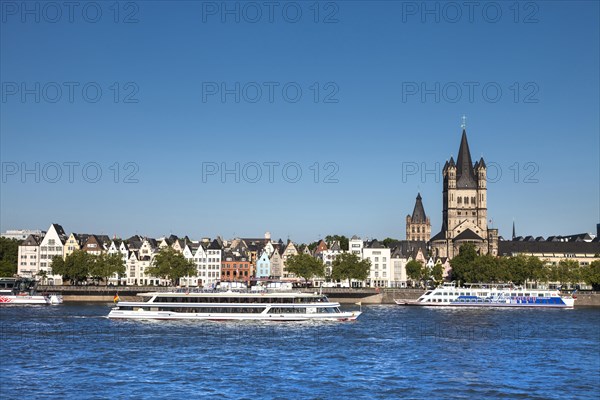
column 23, row 291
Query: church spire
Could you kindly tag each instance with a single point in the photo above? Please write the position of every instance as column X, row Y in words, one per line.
column 465, row 177
column 418, row 215
column 514, row 236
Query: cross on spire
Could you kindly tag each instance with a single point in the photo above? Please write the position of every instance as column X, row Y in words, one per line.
column 463, row 125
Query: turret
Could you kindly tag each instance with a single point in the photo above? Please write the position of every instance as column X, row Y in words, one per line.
column 450, row 173
column 481, row 172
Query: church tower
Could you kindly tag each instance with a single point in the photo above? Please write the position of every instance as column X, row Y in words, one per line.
column 464, row 198
column 418, row 227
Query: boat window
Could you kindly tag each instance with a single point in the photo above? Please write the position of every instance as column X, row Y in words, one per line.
column 527, row 294
column 437, row 294
column 520, row 294
column 540, row 294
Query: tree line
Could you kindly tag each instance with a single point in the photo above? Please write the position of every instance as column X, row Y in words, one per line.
column 469, row 266
column 80, row 266
column 346, row 266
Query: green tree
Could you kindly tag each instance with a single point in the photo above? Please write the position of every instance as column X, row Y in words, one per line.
column 75, row 267
column 517, row 269
column 350, row 266
column 43, row 275
column 9, row 253
column 387, row 241
column 414, row 270
column 7, row 269
column 305, row 266
column 591, row 274
column 171, row 264
column 568, row 272
column 437, row 272
column 106, row 265
column 463, row 265
column 536, row 269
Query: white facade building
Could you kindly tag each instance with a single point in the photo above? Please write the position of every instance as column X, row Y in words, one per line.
column 52, row 245
column 29, row 257
column 355, row 246
column 380, row 274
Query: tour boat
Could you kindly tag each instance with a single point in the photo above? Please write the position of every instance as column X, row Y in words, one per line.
column 230, row 305
column 490, row 295
column 23, row 291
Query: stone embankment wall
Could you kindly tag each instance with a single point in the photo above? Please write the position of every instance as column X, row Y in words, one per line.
column 341, row 295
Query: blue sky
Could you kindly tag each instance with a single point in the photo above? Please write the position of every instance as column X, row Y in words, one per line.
column 387, row 73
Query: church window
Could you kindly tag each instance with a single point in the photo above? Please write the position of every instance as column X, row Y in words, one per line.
column 418, row 229
column 413, row 229
column 466, row 200
column 473, row 200
column 473, row 212
column 459, row 213
column 459, row 200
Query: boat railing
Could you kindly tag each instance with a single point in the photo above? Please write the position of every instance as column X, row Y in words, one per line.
column 232, row 290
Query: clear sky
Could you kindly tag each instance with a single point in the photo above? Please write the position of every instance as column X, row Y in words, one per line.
column 174, row 92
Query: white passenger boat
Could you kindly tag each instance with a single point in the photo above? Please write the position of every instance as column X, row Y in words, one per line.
column 490, row 295
column 23, row 291
column 213, row 305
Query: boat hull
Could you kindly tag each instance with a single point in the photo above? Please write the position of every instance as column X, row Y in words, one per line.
column 471, row 305
column 171, row 315
column 35, row 299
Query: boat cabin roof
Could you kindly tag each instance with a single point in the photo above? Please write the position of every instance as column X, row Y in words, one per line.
column 233, row 294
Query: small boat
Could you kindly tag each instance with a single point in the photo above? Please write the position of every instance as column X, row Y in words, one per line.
column 490, row 295
column 233, row 305
column 23, row 291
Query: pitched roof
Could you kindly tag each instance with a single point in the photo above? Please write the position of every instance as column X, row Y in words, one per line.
column 406, row 248
column 509, row 247
column 335, row 246
column 214, row 245
column 465, row 177
column 467, row 234
column 418, row 215
column 32, row 240
column 439, row 236
column 59, row 229
column 374, row 244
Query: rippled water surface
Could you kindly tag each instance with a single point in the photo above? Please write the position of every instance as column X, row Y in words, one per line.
column 72, row 351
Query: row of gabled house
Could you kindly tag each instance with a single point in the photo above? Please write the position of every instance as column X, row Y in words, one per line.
column 240, row 259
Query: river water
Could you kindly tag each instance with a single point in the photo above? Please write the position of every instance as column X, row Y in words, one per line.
column 72, row 351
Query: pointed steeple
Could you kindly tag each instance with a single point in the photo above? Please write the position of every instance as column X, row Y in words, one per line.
column 513, row 235
column 465, row 177
column 418, row 215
